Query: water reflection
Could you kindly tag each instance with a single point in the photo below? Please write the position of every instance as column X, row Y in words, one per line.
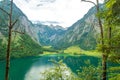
column 49, row 72
column 34, row 72
column 29, row 68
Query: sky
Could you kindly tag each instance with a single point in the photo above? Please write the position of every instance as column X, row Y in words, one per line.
column 56, row 12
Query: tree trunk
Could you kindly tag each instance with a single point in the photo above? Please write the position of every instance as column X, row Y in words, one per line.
column 8, row 56
column 9, row 43
column 104, row 56
column 104, row 67
column 109, row 35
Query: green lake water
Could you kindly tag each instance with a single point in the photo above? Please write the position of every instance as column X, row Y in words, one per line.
column 30, row 67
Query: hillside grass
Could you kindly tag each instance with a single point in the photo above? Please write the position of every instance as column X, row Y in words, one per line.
column 73, row 50
column 70, row 51
column 76, row 50
column 21, row 46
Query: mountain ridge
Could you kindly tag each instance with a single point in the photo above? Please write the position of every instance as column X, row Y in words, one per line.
column 82, row 33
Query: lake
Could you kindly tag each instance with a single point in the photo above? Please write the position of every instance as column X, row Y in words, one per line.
column 30, row 67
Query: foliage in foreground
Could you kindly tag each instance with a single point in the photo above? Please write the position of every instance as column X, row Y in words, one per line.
column 61, row 72
column 88, row 72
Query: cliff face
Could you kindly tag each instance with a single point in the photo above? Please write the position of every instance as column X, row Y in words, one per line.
column 47, row 34
column 82, row 33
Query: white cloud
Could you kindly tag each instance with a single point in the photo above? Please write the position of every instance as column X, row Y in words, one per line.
column 66, row 12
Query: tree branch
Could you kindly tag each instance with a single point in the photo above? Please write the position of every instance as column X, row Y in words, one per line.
column 4, row 11
column 18, row 32
column 112, row 47
column 14, row 22
column 89, row 2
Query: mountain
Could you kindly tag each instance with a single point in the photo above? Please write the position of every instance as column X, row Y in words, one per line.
column 47, row 34
column 22, row 44
column 83, row 33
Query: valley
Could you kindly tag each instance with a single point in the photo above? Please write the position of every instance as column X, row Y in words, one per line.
column 82, row 33
column 39, row 51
